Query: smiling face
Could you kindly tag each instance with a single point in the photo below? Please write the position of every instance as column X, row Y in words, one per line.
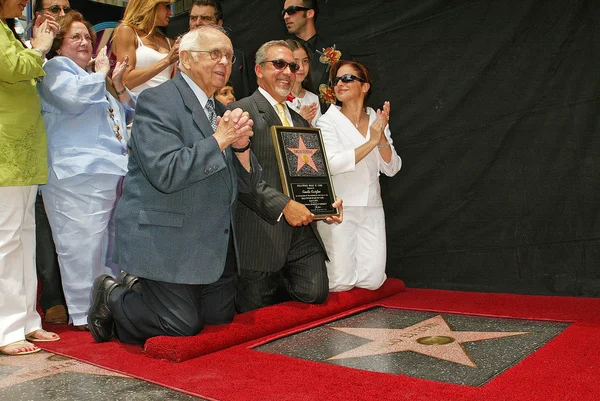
column 345, row 91
column 207, row 73
column 77, row 44
column 301, row 58
column 163, row 13
column 278, row 83
column 12, row 8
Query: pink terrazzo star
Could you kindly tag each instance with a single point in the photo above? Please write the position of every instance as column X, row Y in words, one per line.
column 43, row 364
column 304, row 155
column 432, row 337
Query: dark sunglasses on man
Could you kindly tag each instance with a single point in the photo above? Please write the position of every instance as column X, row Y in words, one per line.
column 291, row 10
column 347, row 78
column 55, row 9
column 282, row 64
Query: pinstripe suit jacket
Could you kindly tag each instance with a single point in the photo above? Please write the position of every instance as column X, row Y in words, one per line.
column 179, row 195
column 264, row 246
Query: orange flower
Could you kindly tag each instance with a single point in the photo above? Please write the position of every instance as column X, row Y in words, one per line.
column 326, row 94
column 330, row 55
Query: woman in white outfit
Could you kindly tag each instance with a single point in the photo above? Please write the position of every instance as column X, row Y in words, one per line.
column 85, row 116
column 359, row 147
column 151, row 55
column 302, row 100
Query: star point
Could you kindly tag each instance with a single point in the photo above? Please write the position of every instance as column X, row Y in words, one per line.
column 432, row 337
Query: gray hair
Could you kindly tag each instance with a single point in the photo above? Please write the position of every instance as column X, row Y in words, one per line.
column 193, row 38
column 261, row 53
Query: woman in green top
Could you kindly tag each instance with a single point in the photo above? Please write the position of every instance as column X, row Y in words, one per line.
column 23, row 165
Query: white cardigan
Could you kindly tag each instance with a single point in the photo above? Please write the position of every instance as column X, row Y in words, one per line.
column 356, row 184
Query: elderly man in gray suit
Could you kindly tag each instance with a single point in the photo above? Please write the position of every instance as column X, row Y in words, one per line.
column 174, row 221
column 286, row 260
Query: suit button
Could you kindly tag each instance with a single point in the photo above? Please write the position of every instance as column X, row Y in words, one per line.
column 206, row 171
column 226, row 231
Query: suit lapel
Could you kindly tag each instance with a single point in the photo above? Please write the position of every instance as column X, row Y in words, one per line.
column 191, row 102
column 199, row 116
column 267, row 112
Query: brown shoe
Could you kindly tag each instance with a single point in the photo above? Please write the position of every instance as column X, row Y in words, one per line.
column 56, row 315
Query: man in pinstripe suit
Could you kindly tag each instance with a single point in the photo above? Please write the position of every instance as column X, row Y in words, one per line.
column 286, row 260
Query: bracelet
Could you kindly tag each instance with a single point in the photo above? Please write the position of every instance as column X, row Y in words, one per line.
column 242, row 150
column 383, row 146
column 38, row 51
column 121, row 91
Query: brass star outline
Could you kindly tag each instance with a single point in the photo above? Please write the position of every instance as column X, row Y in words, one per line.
column 432, row 337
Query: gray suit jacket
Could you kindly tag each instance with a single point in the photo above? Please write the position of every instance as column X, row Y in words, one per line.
column 179, row 196
column 264, row 246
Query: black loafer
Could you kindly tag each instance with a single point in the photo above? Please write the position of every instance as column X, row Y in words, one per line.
column 129, row 281
column 100, row 318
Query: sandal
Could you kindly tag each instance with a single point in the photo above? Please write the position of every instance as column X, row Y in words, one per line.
column 21, row 347
column 33, row 336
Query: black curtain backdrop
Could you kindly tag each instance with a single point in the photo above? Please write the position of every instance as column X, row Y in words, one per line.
column 495, row 111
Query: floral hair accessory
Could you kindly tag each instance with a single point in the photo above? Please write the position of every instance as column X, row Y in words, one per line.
column 326, row 94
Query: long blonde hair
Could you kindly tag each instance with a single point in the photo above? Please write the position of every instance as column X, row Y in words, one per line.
column 141, row 14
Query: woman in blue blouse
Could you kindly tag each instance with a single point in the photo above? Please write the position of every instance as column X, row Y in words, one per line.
column 85, row 116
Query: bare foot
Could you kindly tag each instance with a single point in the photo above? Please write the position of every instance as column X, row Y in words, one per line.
column 19, row 348
column 42, row 335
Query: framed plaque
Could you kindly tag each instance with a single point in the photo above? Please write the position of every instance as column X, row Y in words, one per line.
column 304, row 169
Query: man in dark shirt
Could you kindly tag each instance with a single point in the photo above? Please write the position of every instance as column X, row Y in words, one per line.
column 299, row 17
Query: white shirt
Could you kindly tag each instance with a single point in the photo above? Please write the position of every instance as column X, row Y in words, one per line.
column 273, row 102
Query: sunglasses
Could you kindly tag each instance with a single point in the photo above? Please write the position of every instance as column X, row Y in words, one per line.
column 347, row 78
column 291, row 10
column 56, row 9
column 282, row 64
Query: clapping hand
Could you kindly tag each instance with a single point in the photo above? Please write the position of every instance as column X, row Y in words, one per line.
column 101, row 62
column 378, row 126
column 309, row 111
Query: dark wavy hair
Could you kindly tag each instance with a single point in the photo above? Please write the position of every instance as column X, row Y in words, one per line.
column 65, row 23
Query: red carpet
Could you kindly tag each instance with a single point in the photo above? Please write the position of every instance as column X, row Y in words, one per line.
column 262, row 322
column 566, row 368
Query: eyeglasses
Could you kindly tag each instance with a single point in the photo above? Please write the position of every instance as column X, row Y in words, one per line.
column 55, row 9
column 347, row 78
column 78, row 38
column 291, row 10
column 282, row 64
column 217, row 54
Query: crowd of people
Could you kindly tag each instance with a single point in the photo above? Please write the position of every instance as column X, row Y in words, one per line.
column 184, row 222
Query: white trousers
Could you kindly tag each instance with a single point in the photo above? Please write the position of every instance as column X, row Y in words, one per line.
column 18, row 280
column 81, row 211
column 356, row 249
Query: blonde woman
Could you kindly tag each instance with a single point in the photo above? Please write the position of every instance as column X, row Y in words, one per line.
column 152, row 55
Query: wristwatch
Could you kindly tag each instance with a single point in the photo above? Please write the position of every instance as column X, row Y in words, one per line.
column 242, row 150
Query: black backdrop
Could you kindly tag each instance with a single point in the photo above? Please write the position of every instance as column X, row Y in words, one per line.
column 495, row 112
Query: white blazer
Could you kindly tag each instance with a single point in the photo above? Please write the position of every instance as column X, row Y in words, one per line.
column 356, row 184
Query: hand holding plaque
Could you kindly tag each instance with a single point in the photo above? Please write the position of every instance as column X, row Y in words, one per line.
column 304, row 170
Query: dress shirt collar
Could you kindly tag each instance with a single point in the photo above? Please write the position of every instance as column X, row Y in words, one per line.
column 273, row 102
column 202, row 97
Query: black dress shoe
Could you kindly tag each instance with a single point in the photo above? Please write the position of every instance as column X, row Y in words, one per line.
column 100, row 318
column 129, row 281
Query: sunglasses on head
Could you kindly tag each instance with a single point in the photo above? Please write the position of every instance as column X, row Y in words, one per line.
column 291, row 10
column 347, row 78
column 55, row 9
column 281, row 64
